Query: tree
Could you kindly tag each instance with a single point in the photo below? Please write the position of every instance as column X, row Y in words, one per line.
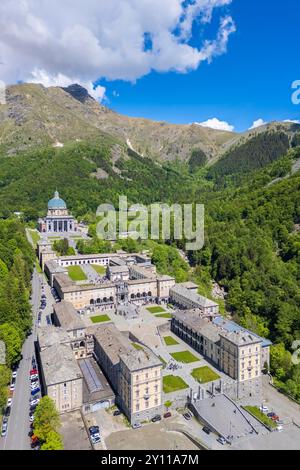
column 4, row 381
column 53, row 442
column 281, row 360
column 168, row 404
column 46, row 419
column 13, row 342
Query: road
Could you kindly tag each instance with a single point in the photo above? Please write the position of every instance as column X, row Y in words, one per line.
column 18, row 424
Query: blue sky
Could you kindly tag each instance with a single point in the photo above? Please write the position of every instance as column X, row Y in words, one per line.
column 251, row 80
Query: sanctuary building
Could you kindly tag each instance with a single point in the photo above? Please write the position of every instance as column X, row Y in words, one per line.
column 58, row 219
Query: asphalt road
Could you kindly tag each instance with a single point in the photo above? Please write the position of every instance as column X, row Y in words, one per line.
column 18, row 423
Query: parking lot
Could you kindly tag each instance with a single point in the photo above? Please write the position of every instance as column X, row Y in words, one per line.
column 74, row 433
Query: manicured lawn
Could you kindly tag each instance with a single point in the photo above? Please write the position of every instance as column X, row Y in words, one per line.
column 100, row 319
column 76, row 273
column 204, row 375
column 164, row 315
column 185, row 356
column 255, row 411
column 170, row 341
column 171, row 383
column 137, row 346
column 99, row 269
column 156, row 309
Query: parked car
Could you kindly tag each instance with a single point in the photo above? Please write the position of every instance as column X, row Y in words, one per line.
column 33, row 372
column 44, row 296
column 206, row 430
column 34, row 378
column 35, row 391
column 264, row 409
column 34, row 385
column 187, row 416
column 273, row 416
column 34, row 402
column 95, row 438
column 4, row 429
column 5, row 419
column 12, row 386
column 156, row 419
column 167, row 415
column 279, row 428
column 31, row 417
column 136, row 425
column 9, row 402
column 7, row 411
column 221, row 440
column 94, row 430
column 117, row 413
column 14, row 374
column 33, row 362
column 49, row 322
column 35, row 444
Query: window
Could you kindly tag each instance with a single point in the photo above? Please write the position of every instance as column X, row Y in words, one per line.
column 147, row 404
column 137, row 408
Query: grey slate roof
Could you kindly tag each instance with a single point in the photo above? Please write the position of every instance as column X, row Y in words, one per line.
column 59, row 365
column 67, row 316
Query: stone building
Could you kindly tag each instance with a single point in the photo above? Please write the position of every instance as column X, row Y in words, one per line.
column 187, row 298
column 58, row 219
column 135, row 376
column 232, row 349
column 61, row 377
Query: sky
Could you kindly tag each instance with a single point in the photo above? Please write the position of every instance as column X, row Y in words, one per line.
column 227, row 64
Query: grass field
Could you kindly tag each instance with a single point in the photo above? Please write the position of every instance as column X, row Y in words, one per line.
column 156, row 309
column 99, row 269
column 254, row 411
column 164, row 315
column 185, row 356
column 170, row 341
column 137, row 346
column 171, row 383
column 100, row 319
column 205, row 375
column 76, row 273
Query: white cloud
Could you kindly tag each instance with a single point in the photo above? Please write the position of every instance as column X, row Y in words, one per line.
column 295, row 121
column 258, row 123
column 216, row 124
column 41, row 76
column 70, row 39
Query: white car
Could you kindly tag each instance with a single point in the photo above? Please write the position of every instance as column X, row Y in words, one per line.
column 34, row 385
column 9, row 402
column 4, row 429
column 14, row 374
column 264, row 409
column 279, row 428
column 12, row 387
column 96, row 438
column 31, row 418
column 34, row 378
column 34, row 402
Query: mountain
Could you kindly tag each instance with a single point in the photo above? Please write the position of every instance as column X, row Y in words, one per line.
column 35, row 116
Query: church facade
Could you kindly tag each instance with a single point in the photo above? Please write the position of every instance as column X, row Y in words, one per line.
column 58, row 219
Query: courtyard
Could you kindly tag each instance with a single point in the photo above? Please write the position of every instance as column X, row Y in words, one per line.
column 173, row 383
column 76, row 273
column 184, row 356
column 204, row 375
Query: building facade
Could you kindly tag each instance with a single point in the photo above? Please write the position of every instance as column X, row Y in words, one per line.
column 58, row 219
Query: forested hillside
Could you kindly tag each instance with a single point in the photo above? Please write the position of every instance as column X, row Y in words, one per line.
column 16, row 263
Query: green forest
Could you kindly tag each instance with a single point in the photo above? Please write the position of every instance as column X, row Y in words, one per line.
column 16, row 265
column 252, row 228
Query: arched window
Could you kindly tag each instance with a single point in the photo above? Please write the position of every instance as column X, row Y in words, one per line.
column 92, row 302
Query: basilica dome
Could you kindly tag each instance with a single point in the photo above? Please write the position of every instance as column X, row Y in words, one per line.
column 57, row 202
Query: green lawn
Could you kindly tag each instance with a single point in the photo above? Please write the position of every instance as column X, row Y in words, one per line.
column 185, row 356
column 99, row 269
column 205, row 375
column 137, row 346
column 100, row 319
column 76, row 273
column 156, row 309
column 255, row 411
column 170, row 341
column 164, row 315
column 171, row 383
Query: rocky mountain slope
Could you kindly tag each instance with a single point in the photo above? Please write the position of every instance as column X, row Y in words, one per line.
column 35, row 116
